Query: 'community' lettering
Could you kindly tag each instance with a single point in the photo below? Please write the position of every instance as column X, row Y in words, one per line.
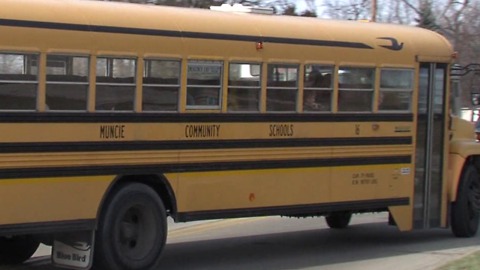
column 202, row 131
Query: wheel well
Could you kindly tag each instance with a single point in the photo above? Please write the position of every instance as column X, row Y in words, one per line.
column 475, row 161
column 470, row 161
column 158, row 182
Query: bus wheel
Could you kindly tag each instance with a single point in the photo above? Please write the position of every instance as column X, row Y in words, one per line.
column 465, row 211
column 338, row 220
column 17, row 249
column 132, row 229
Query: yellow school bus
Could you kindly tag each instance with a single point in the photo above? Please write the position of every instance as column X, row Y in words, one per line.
column 115, row 116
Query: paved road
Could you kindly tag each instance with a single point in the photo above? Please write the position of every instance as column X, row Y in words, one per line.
column 286, row 243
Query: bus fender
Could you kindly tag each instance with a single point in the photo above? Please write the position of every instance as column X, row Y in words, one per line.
column 455, row 167
column 158, row 182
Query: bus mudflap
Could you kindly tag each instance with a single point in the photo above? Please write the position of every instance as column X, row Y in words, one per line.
column 73, row 250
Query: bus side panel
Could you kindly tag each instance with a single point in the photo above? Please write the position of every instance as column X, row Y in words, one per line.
column 372, row 182
column 403, row 216
column 51, row 199
column 323, row 187
column 249, row 189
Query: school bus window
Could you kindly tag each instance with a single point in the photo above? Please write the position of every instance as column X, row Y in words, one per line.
column 438, row 97
column 355, row 89
column 318, row 88
column 282, row 87
column 161, row 84
column 396, row 87
column 18, row 81
column 204, row 82
column 115, row 84
column 243, row 87
column 67, row 82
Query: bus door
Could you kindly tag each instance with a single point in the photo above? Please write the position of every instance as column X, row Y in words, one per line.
column 430, row 148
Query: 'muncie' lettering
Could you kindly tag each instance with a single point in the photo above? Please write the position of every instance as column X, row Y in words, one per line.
column 112, row 131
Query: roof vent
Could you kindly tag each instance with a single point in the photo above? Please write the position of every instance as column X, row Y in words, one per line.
column 239, row 8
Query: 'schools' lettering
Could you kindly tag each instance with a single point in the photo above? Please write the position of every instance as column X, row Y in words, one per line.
column 281, row 130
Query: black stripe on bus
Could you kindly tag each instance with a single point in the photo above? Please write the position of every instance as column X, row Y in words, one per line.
column 199, row 167
column 307, row 209
column 187, row 118
column 179, row 34
column 40, row 147
column 48, row 227
column 299, row 210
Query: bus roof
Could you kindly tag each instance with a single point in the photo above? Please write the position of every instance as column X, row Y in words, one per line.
column 125, row 18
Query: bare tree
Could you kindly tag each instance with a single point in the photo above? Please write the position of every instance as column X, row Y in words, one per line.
column 395, row 12
column 462, row 28
column 453, row 17
column 348, row 9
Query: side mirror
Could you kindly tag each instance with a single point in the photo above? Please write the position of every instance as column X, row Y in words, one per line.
column 476, row 99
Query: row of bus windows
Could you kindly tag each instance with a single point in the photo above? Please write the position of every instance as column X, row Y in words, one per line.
column 67, row 85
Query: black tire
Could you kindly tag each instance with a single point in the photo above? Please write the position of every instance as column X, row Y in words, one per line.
column 132, row 230
column 17, row 249
column 465, row 212
column 338, row 220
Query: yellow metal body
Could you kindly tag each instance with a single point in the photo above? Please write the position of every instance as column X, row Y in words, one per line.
column 201, row 185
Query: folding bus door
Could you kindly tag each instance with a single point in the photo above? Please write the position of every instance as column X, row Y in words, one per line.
column 430, row 146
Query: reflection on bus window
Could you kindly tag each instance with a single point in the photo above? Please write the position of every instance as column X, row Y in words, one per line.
column 18, row 81
column 282, row 87
column 439, row 90
column 161, row 85
column 355, row 89
column 244, row 87
column 67, row 82
column 423, row 90
column 396, row 87
column 318, row 88
column 204, row 82
column 115, row 84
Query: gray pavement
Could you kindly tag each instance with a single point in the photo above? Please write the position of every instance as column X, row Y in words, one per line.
column 289, row 243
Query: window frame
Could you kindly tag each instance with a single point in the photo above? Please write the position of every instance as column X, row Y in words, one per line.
column 61, row 82
column 356, row 89
column 36, row 82
column 320, row 89
column 275, row 88
column 397, row 90
column 212, row 63
column 178, row 85
column 247, row 87
column 114, row 84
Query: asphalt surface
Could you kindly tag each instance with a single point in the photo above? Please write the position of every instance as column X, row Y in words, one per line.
column 289, row 243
